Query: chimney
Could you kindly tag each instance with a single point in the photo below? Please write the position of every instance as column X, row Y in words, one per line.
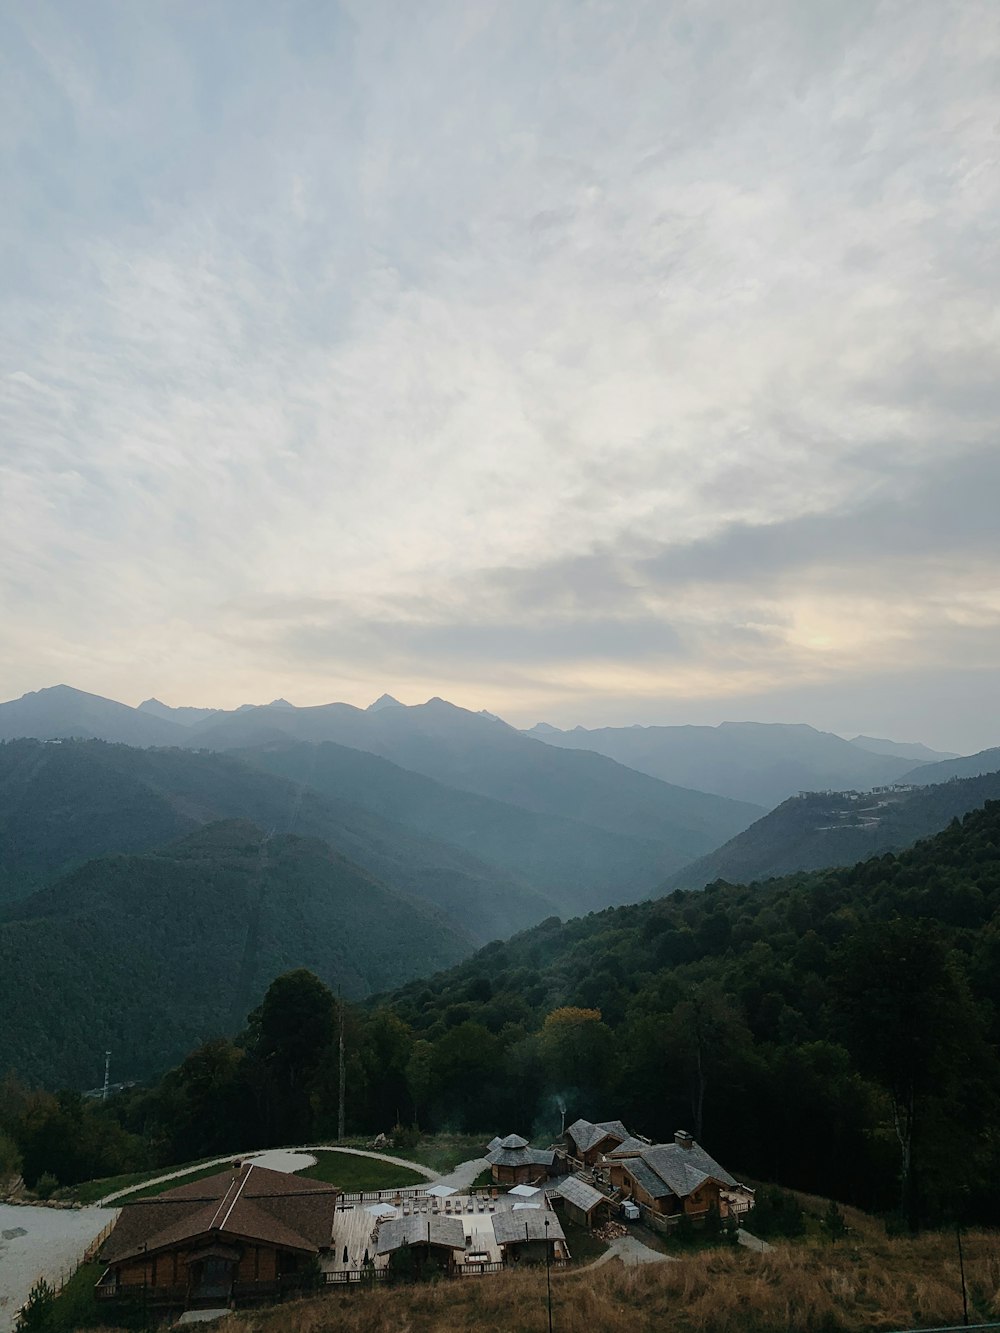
column 683, row 1139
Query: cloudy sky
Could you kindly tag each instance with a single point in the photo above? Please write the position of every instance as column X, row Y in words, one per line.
column 599, row 361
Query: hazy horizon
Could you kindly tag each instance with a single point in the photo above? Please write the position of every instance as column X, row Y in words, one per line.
column 591, row 365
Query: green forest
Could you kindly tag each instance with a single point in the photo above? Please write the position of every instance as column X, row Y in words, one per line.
column 835, row 1032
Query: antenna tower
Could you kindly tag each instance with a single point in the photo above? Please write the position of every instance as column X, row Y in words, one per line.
column 107, row 1075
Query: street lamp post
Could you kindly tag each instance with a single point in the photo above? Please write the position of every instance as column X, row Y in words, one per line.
column 548, row 1273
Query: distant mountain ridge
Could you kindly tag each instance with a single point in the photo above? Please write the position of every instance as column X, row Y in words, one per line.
column 818, row 831
column 750, row 761
column 912, row 750
column 966, row 766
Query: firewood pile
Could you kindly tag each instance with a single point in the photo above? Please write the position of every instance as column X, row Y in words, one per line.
column 610, row 1231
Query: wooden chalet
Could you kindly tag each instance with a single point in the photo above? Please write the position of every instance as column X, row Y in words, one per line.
column 586, row 1142
column 512, row 1162
column 670, row 1179
column 580, row 1202
column 418, row 1246
column 243, row 1235
column 529, row 1235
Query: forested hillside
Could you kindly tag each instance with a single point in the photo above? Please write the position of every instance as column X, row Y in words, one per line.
column 62, row 803
column 817, row 830
column 808, row 1031
column 150, row 955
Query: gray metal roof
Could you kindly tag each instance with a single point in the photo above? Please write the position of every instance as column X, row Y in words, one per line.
column 421, row 1230
column 526, row 1224
column 585, row 1134
column 578, row 1192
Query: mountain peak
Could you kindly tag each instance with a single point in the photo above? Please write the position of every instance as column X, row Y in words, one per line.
column 383, row 701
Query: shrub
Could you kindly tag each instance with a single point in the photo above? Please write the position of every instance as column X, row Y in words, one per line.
column 46, row 1185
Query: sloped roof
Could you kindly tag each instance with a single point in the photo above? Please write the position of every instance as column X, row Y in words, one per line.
column 420, row 1230
column 252, row 1203
column 586, row 1135
column 513, row 1141
column 579, row 1193
column 632, row 1147
column 526, row 1224
column 521, row 1157
column 684, row 1169
column 667, row 1168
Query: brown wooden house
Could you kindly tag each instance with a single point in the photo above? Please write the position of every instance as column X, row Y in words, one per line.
column 512, row 1162
column 670, row 1179
column 586, row 1141
column 245, row 1234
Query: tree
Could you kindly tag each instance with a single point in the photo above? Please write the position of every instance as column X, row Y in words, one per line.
column 705, row 1034
column 293, row 1029
column 577, row 1047
column 908, row 1022
column 37, row 1314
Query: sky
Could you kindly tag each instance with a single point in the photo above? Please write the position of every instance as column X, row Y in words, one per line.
column 599, row 362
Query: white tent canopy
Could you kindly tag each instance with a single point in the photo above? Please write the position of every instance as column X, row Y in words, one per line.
column 382, row 1210
column 524, row 1205
column 440, row 1191
column 525, row 1191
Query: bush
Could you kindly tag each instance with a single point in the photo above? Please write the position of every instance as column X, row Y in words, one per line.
column 405, row 1137
column 46, row 1185
column 775, row 1213
column 833, row 1222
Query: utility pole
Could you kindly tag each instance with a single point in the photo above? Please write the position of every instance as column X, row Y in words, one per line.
column 961, row 1266
column 107, row 1075
column 340, row 1080
column 548, row 1273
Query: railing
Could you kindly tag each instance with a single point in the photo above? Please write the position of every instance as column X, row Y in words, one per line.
column 477, row 1269
column 347, row 1276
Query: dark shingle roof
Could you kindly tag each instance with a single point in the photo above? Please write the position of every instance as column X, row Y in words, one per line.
column 521, row 1157
column 420, row 1230
column 667, row 1168
column 586, row 1135
column 578, row 1192
column 526, row 1224
column 251, row 1203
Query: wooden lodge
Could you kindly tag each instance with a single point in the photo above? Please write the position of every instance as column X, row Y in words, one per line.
column 512, row 1162
column 670, row 1179
column 585, row 1141
column 243, row 1235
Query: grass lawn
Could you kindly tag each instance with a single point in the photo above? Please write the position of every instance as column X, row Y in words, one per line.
column 89, row 1191
column 148, row 1191
column 443, row 1152
column 353, row 1174
column 75, row 1306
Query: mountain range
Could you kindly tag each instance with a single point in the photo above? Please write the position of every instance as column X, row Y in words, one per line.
column 764, row 763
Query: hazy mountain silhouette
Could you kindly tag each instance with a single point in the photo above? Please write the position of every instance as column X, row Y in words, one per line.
column 61, row 711
column 749, row 761
column 912, row 750
column 486, row 756
column 967, row 766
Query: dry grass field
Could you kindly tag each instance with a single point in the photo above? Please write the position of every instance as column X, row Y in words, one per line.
column 868, row 1283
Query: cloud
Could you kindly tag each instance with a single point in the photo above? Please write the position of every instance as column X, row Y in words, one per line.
column 591, row 353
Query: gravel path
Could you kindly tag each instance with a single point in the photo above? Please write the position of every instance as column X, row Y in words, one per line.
column 752, row 1242
column 278, row 1159
column 631, row 1252
column 465, row 1173
column 51, row 1244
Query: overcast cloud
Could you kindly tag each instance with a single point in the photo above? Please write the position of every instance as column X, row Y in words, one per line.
column 599, row 362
